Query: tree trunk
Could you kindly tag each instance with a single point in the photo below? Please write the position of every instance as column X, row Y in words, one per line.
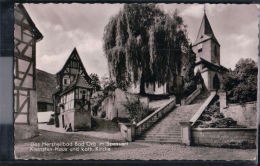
column 142, row 84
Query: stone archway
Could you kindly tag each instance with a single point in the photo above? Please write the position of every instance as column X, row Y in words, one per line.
column 216, row 83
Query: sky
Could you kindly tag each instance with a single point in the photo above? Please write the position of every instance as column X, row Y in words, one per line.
column 66, row 26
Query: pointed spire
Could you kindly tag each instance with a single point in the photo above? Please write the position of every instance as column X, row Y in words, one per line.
column 205, row 31
column 74, row 50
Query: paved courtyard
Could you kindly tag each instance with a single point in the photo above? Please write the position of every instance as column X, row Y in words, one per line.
column 134, row 150
column 149, row 151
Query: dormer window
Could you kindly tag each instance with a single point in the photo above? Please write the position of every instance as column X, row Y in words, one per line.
column 66, row 80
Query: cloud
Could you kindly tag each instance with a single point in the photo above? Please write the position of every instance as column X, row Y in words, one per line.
column 65, row 26
column 194, row 11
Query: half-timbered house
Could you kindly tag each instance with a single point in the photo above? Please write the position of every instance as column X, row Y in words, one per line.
column 72, row 98
column 26, row 35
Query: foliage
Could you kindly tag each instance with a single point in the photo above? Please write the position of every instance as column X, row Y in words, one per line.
column 103, row 114
column 136, row 110
column 95, row 81
column 144, row 44
column 110, row 86
column 241, row 83
column 213, row 118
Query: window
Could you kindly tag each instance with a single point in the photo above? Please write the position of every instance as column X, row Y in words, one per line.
column 42, row 107
column 66, row 80
column 77, row 94
column 83, row 94
column 200, row 48
column 215, row 51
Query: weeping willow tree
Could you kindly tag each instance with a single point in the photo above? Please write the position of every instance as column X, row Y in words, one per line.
column 143, row 44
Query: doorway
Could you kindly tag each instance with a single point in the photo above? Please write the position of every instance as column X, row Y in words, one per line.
column 63, row 123
column 216, row 83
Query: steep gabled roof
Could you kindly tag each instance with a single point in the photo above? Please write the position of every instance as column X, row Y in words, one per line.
column 74, row 53
column 205, row 31
column 35, row 30
column 79, row 81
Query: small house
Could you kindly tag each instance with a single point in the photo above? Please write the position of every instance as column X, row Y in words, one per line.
column 72, row 97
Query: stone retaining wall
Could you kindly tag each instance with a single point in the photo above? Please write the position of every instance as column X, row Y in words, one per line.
column 244, row 114
column 224, row 137
column 100, row 124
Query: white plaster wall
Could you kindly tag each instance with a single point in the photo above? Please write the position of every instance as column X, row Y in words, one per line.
column 134, row 88
column 205, row 76
column 159, row 89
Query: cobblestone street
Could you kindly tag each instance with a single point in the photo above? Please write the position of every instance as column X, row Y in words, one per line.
column 151, row 151
column 133, row 150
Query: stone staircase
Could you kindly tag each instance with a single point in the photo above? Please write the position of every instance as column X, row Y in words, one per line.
column 201, row 97
column 168, row 130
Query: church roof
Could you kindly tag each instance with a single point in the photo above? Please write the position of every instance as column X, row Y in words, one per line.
column 215, row 67
column 205, row 31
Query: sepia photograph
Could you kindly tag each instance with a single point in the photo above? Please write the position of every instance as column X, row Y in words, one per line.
column 148, row 81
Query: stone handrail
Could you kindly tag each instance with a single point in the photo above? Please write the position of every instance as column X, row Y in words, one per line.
column 202, row 108
column 154, row 117
column 192, row 96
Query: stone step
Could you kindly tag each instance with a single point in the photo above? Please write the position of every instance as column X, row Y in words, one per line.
column 155, row 134
column 168, row 129
column 164, row 132
column 152, row 134
column 161, row 140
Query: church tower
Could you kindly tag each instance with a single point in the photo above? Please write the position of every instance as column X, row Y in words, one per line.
column 207, row 50
column 206, row 45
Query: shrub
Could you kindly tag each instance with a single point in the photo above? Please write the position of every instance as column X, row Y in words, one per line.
column 213, row 118
column 218, row 115
column 225, row 123
column 136, row 110
column 241, row 83
column 189, row 88
column 205, row 117
column 103, row 114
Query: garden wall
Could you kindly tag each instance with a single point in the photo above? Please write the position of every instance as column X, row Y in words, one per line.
column 105, row 125
column 245, row 114
column 82, row 120
column 114, row 105
column 224, row 137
